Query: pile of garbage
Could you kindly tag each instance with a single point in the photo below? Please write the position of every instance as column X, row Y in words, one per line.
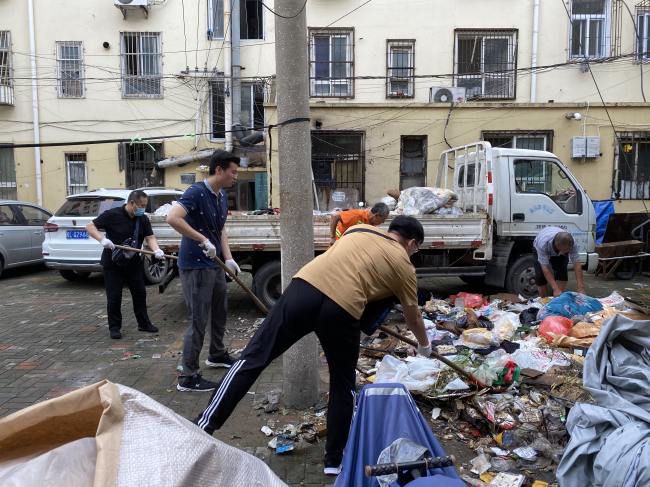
column 421, row 201
column 528, row 355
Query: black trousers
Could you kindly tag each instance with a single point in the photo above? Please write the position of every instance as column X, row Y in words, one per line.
column 301, row 310
column 114, row 278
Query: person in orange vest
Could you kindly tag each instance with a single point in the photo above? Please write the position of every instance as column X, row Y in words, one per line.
column 340, row 222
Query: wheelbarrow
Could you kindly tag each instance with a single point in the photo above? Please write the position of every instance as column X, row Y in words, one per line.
column 619, row 258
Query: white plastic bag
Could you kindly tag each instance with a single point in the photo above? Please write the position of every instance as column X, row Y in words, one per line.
column 392, row 370
column 453, row 210
column 538, row 359
column 390, row 202
column 478, row 338
column 421, row 368
column 506, row 325
column 614, row 300
column 456, row 385
column 420, row 201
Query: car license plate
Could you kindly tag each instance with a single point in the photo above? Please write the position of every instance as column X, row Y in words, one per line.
column 76, row 234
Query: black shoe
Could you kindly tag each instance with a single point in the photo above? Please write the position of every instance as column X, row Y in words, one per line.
column 196, row 383
column 115, row 333
column 224, row 361
column 149, row 327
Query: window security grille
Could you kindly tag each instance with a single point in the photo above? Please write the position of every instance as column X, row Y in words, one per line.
column 251, row 19
column 486, row 63
column 400, row 68
column 141, row 54
column 590, row 28
column 633, row 160
column 413, row 162
column 140, row 164
column 69, row 69
column 7, row 174
column 331, row 62
column 6, row 70
column 77, row 172
column 520, row 139
column 217, row 102
column 338, row 161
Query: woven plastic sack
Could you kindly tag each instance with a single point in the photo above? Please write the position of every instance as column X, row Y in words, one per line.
column 421, row 201
column 569, row 305
column 390, row 202
column 558, row 325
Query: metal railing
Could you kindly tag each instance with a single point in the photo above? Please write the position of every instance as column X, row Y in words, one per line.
column 141, row 55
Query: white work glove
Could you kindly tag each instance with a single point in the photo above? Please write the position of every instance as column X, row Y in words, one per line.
column 159, row 254
column 424, row 351
column 208, row 249
column 232, row 266
column 107, row 243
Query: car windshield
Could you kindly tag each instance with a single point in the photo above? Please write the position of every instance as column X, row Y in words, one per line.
column 88, row 206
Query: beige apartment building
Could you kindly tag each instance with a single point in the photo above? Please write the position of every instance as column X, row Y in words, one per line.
column 523, row 73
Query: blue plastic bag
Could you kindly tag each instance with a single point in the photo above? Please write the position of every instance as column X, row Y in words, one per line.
column 569, row 305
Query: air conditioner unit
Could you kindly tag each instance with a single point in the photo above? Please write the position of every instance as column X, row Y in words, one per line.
column 131, row 4
column 447, row 95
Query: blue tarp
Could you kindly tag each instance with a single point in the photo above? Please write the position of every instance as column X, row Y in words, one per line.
column 387, row 412
column 603, row 210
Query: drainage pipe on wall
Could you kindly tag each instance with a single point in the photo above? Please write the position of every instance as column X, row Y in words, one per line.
column 37, row 135
column 533, row 61
column 227, row 69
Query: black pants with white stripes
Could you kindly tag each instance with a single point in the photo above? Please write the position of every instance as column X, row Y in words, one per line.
column 301, row 310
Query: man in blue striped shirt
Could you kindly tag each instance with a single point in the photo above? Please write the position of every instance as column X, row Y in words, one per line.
column 552, row 250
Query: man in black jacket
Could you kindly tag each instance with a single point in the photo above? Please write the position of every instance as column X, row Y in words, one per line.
column 120, row 224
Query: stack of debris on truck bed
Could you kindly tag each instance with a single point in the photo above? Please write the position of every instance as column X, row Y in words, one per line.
column 529, row 353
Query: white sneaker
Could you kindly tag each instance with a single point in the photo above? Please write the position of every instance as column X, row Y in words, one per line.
column 333, row 470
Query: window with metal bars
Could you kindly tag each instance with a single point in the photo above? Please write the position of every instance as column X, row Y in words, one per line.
column 141, row 54
column 70, row 69
column 643, row 36
column 590, row 27
column 251, row 19
column 486, row 62
column 218, row 110
column 6, row 70
column 400, row 67
column 76, row 172
column 331, row 62
column 252, row 105
column 7, row 174
column 338, row 162
column 519, row 139
column 413, row 161
column 633, row 161
column 140, row 165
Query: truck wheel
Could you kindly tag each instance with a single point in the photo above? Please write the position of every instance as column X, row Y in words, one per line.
column 155, row 270
column 267, row 283
column 73, row 275
column 473, row 280
column 520, row 278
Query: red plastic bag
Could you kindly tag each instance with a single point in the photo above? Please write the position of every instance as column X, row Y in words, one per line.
column 467, row 300
column 555, row 324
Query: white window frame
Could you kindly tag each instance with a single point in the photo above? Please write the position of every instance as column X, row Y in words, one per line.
column 6, row 71
column 251, row 87
column 211, row 16
column 512, row 53
column 643, row 24
column 69, row 162
column 60, row 71
column 348, row 80
column 140, row 77
column 406, row 45
column 606, row 41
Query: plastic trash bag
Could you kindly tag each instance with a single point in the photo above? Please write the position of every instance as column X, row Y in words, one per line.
column 614, row 300
column 456, row 385
column 400, row 451
column 478, row 337
column 538, row 359
column 420, row 201
column 487, row 374
column 467, row 300
column 481, row 463
column 528, row 316
column 569, row 304
column 392, row 370
column 506, row 325
column 454, row 210
column 555, row 324
column 421, row 368
column 390, row 202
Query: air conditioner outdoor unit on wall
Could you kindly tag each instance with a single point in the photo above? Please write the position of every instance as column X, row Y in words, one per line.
column 447, row 95
column 131, row 4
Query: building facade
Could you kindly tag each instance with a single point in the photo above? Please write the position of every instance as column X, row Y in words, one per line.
column 382, row 78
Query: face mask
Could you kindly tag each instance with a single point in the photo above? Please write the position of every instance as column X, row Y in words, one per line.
column 138, row 211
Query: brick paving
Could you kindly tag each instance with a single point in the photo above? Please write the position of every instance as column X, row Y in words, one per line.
column 54, row 339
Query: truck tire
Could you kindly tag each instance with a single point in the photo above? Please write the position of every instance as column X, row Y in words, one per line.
column 520, row 277
column 155, row 270
column 73, row 275
column 267, row 283
column 625, row 271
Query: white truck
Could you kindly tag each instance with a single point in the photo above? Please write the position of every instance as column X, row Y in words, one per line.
column 507, row 196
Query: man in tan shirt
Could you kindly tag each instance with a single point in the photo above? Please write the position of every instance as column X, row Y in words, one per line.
column 328, row 296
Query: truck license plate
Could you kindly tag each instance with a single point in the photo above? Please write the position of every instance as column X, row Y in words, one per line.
column 76, row 234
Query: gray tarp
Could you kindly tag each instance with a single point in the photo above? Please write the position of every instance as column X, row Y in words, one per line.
column 609, row 441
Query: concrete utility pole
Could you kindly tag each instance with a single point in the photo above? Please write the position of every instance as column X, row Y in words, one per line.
column 296, row 199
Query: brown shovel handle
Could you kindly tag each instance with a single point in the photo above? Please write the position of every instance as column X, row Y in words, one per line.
column 241, row 283
column 146, row 252
column 444, row 360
